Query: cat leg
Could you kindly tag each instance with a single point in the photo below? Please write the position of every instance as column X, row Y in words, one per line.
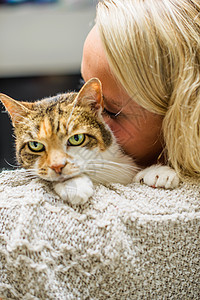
column 158, row 176
column 76, row 190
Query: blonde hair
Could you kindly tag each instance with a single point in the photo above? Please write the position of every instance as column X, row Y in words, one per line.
column 153, row 47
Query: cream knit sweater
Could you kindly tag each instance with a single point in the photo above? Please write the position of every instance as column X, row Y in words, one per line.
column 127, row 242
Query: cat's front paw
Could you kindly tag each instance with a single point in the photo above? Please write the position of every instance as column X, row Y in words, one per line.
column 76, row 190
column 158, row 176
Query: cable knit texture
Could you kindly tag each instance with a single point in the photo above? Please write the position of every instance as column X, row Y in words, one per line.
column 126, row 242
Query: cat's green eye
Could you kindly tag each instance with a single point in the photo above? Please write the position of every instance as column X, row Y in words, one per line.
column 36, row 146
column 76, row 140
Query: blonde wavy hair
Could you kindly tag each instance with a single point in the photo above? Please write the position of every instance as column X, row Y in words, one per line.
column 153, row 48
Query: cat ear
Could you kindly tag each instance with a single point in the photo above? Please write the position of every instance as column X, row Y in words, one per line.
column 16, row 109
column 91, row 94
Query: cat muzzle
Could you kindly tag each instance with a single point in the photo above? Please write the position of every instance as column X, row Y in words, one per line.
column 58, row 168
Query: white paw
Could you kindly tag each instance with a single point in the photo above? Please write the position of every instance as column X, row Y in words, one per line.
column 158, row 176
column 76, row 190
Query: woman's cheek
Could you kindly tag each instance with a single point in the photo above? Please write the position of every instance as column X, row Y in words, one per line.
column 123, row 132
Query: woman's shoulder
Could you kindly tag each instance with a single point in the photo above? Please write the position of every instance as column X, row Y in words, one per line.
column 142, row 237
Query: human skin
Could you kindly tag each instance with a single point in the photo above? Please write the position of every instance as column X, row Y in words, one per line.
column 137, row 130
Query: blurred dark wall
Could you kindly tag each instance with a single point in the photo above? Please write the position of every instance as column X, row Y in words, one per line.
column 28, row 89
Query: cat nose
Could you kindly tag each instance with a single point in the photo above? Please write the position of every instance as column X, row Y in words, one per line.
column 58, row 168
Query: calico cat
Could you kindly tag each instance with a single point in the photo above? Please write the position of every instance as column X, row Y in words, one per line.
column 64, row 139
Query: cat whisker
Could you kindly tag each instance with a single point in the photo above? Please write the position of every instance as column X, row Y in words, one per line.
column 13, row 166
column 29, row 170
column 31, row 177
column 70, row 116
column 114, row 173
column 105, row 169
column 109, row 171
column 72, row 123
column 30, row 173
column 110, row 164
column 100, row 176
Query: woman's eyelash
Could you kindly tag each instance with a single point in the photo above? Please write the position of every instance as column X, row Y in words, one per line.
column 110, row 114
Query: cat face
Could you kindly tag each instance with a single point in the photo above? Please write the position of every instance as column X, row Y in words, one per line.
column 56, row 135
column 65, row 136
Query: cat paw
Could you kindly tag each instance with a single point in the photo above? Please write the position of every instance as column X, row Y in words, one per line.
column 158, row 176
column 76, row 190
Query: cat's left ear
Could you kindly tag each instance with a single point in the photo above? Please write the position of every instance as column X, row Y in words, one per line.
column 16, row 109
column 91, row 94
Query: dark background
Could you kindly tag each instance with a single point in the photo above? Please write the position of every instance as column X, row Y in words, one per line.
column 28, row 89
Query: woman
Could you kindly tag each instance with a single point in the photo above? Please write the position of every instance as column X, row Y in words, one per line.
column 147, row 55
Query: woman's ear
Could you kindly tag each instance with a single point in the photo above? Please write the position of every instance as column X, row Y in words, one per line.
column 16, row 109
column 91, row 94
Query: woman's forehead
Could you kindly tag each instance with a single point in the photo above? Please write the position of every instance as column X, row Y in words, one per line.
column 95, row 64
column 94, row 61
